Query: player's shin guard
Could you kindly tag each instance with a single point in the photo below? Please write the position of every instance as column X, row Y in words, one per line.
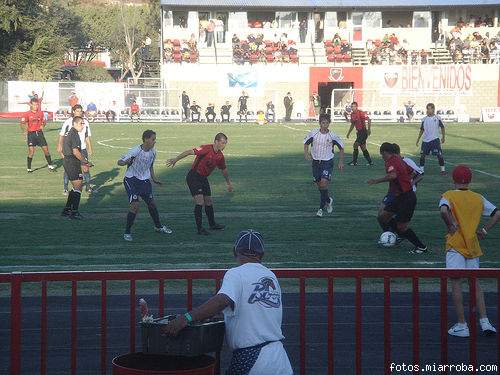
column 391, row 225
column 65, row 181
column 355, row 154
column 86, row 178
column 323, row 198
column 412, row 237
column 422, row 160
column 130, row 221
column 29, row 161
column 49, row 159
column 197, row 216
column 75, row 202
column 153, row 211
column 367, row 156
column 209, row 211
column 441, row 162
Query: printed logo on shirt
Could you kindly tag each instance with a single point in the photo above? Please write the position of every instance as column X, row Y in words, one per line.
column 265, row 294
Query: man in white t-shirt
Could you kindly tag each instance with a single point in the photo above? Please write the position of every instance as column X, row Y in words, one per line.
column 250, row 298
column 429, row 129
column 86, row 148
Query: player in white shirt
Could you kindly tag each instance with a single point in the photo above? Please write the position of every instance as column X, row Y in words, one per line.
column 85, row 138
column 431, row 124
column 321, row 142
column 251, row 300
column 140, row 172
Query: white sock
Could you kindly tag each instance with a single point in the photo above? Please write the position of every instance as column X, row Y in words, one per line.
column 484, row 320
column 442, row 168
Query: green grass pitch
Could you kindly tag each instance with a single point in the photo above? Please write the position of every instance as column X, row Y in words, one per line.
column 273, row 193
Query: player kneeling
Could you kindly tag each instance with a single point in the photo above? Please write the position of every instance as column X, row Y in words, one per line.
column 461, row 210
column 140, row 172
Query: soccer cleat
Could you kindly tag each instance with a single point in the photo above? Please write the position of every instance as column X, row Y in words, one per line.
column 459, row 330
column 443, row 173
column 127, row 237
column 65, row 213
column 418, row 250
column 319, row 213
column 65, row 192
column 203, row 232
column 329, row 205
column 52, row 167
column 217, row 227
column 399, row 240
column 29, row 170
column 370, row 164
column 487, row 327
column 164, row 229
column 75, row 215
column 353, row 163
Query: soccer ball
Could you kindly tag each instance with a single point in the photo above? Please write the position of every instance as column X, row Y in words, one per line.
column 387, row 239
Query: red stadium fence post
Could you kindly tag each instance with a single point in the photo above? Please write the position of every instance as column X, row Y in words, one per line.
column 498, row 320
column 416, row 326
column 43, row 330
column 104, row 323
column 358, row 326
column 190, row 294
column 330, row 327
column 15, row 323
column 473, row 282
column 444, row 323
column 132, row 307
column 302, row 317
column 387, row 325
column 161, row 297
column 74, row 327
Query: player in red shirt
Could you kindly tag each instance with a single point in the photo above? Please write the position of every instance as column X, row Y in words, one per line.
column 397, row 214
column 134, row 111
column 362, row 123
column 208, row 157
column 32, row 124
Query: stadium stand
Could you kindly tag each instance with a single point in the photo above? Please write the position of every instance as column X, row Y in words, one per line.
column 338, row 50
column 177, row 51
column 254, row 49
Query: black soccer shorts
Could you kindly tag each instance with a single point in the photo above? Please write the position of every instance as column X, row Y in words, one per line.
column 198, row 184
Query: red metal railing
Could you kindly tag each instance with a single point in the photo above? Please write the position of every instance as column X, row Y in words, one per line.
column 17, row 279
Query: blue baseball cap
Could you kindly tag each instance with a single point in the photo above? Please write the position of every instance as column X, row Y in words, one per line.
column 249, row 242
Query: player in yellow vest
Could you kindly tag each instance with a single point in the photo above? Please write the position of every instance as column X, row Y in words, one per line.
column 461, row 210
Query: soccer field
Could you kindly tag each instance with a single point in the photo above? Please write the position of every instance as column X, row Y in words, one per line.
column 273, row 193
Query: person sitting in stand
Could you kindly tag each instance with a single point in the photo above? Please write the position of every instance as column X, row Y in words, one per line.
column 225, row 113
column 210, row 113
column 270, row 112
column 195, row 112
column 134, row 112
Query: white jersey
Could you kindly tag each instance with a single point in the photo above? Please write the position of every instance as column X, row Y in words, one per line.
column 322, row 144
column 142, row 162
column 256, row 317
column 415, row 168
column 68, row 124
column 431, row 125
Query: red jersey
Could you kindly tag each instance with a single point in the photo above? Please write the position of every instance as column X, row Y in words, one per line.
column 402, row 183
column 134, row 107
column 35, row 120
column 358, row 119
column 207, row 159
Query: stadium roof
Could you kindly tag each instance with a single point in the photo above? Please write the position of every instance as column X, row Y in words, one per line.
column 325, row 4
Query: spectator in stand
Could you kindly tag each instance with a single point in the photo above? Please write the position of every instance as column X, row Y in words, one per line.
column 210, row 112
column 134, row 112
column 225, row 112
column 195, row 112
column 270, row 112
column 210, row 32
column 219, row 29
column 316, row 103
column 409, row 110
column 91, row 111
column 423, row 56
column 192, row 44
column 203, row 31
column 73, row 99
column 185, row 105
column 235, row 40
column 242, row 106
column 303, row 30
column 288, row 103
column 112, row 112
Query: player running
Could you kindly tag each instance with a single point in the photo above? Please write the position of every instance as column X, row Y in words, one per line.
column 431, row 143
column 461, row 210
column 322, row 141
column 208, row 157
column 32, row 124
column 363, row 124
column 73, row 162
column 86, row 145
column 397, row 214
column 140, row 172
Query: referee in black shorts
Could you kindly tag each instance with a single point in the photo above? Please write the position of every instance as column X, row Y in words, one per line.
column 73, row 161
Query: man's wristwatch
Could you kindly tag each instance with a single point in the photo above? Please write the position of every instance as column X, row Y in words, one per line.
column 484, row 231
